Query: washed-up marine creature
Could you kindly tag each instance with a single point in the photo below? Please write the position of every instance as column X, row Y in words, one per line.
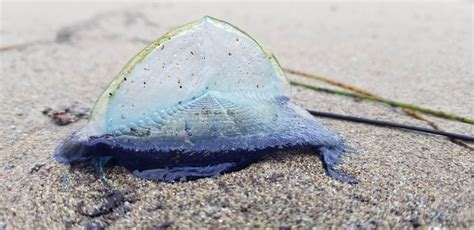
column 202, row 100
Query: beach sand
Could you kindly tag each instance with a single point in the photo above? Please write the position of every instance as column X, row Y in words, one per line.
column 59, row 53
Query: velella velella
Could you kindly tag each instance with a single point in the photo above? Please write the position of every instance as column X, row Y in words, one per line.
column 202, row 100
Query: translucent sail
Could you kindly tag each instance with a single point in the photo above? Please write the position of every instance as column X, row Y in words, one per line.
column 205, row 56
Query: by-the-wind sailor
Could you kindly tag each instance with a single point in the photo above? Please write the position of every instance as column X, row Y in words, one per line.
column 204, row 99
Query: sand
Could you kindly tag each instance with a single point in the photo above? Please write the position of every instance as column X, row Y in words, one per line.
column 417, row 53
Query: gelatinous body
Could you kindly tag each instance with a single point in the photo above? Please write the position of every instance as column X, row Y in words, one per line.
column 202, row 100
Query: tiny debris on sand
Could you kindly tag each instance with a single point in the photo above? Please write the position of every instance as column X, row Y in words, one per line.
column 107, row 204
column 65, row 115
column 37, row 167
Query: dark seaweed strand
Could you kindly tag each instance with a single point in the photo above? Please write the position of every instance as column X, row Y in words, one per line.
column 391, row 124
column 363, row 94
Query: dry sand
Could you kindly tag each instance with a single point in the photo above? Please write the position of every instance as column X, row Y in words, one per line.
column 418, row 53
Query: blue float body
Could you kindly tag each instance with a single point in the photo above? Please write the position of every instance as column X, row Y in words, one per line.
column 202, row 100
column 173, row 159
